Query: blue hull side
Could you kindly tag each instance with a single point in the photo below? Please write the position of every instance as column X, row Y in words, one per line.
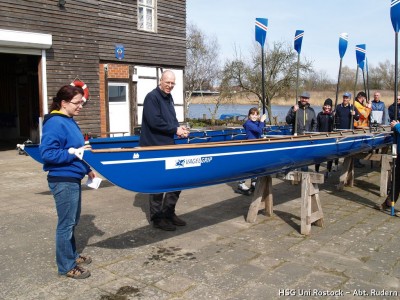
column 170, row 168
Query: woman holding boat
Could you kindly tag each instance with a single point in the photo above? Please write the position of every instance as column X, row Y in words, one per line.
column 65, row 172
column 253, row 126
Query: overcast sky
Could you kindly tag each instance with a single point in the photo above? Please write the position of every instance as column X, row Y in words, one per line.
column 366, row 21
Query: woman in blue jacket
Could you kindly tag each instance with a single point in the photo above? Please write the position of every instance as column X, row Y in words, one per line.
column 65, row 172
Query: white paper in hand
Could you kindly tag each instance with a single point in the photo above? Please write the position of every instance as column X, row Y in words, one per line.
column 94, row 183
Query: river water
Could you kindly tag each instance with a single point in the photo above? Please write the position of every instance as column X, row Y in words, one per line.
column 198, row 111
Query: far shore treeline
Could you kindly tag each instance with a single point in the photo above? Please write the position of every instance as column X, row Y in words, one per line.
column 317, row 98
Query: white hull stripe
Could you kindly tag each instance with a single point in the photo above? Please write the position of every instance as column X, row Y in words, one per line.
column 131, row 161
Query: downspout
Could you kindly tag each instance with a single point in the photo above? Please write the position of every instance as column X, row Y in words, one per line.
column 44, row 91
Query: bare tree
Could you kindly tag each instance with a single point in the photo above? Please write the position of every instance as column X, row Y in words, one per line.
column 280, row 73
column 347, row 79
column 202, row 63
column 318, row 81
column 383, row 76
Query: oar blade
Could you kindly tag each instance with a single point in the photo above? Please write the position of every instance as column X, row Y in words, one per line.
column 360, row 53
column 298, row 40
column 361, row 64
column 395, row 14
column 343, row 41
column 261, row 30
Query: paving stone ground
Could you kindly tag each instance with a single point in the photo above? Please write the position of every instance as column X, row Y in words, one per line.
column 216, row 256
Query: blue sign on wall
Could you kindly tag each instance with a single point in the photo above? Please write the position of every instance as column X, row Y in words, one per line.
column 119, row 51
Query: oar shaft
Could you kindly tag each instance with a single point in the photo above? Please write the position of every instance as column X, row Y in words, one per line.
column 354, row 99
column 395, row 117
column 337, row 92
column 366, row 65
column 263, row 78
column 297, row 91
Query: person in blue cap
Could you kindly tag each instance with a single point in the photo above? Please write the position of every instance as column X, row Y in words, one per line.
column 343, row 113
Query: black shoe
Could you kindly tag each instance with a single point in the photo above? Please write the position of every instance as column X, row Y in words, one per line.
column 163, row 224
column 176, row 221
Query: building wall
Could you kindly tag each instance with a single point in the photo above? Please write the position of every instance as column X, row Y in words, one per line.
column 85, row 33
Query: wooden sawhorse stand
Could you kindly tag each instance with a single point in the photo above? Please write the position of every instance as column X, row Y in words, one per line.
column 311, row 210
column 347, row 176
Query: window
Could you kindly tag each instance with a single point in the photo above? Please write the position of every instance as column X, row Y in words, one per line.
column 146, row 15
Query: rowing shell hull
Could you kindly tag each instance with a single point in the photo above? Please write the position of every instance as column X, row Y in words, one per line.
column 196, row 137
column 179, row 167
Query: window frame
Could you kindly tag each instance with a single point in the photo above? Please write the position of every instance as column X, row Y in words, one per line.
column 142, row 4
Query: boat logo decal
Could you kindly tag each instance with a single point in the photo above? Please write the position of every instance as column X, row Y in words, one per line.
column 186, row 162
column 135, row 155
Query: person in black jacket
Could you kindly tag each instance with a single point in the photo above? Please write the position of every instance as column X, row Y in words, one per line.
column 343, row 113
column 159, row 125
column 325, row 124
column 391, row 111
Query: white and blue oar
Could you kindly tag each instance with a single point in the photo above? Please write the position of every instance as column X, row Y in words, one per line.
column 343, row 41
column 298, row 39
column 360, row 56
column 395, row 17
column 261, row 36
column 362, row 65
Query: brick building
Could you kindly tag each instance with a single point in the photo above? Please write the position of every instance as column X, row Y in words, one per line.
column 117, row 48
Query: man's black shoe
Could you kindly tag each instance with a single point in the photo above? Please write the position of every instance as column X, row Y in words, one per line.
column 176, row 221
column 163, row 224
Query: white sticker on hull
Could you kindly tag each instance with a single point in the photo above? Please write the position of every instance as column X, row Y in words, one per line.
column 186, row 162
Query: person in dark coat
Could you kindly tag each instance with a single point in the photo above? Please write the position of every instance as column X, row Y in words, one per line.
column 343, row 113
column 325, row 124
column 306, row 118
column 159, row 125
column 392, row 112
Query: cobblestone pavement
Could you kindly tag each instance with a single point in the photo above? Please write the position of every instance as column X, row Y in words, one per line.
column 216, row 256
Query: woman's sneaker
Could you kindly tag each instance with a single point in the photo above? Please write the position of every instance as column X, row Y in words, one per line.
column 78, row 273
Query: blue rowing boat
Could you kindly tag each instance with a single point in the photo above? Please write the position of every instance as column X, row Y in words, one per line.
column 185, row 166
